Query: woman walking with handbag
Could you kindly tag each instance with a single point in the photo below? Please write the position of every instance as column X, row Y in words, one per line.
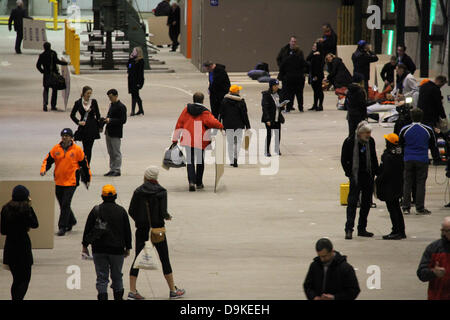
column 17, row 217
column 135, row 70
column 89, row 122
column 148, row 208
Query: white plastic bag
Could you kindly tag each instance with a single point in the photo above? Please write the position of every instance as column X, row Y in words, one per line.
column 147, row 258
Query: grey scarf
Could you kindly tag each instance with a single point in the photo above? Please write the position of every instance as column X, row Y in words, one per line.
column 355, row 167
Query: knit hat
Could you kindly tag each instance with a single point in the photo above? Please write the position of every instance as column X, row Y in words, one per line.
column 234, row 88
column 392, row 138
column 67, row 131
column 273, row 82
column 20, row 193
column 151, row 173
column 363, row 126
column 108, row 191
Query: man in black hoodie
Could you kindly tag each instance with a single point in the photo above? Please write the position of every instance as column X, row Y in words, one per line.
column 148, row 208
column 219, row 85
column 330, row 276
column 110, row 246
column 17, row 16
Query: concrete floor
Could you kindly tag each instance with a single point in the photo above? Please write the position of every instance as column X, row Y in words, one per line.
column 254, row 239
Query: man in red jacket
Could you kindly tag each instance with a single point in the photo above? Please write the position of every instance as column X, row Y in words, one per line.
column 193, row 126
column 434, row 267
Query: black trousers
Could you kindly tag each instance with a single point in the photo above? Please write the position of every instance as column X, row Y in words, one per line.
column 162, row 249
column 396, row 215
column 195, row 165
column 88, row 144
column 66, row 216
column 277, row 127
column 415, row 173
column 19, row 38
column 294, row 89
column 318, row 93
column 21, row 279
column 174, row 32
column 135, row 98
column 365, row 188
column 352, row 125
column 215, row 102
column 54, row 97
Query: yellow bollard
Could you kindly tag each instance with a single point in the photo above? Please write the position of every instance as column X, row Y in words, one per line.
column 55, row 15
column 76, row 55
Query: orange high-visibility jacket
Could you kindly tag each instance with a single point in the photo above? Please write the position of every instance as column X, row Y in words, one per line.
column 70, row 165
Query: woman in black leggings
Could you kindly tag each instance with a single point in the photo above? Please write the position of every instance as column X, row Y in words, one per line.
column 17, row 217
column 149, row 202
column 135, row 70
column 316, row 63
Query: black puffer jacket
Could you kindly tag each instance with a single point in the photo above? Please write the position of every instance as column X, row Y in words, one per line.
column 356, row 102
column 340, row 280
column 155, row 196
column 117, row 239
column 389, row 182
column 233, row 113
column 293, row 69
column 347, row 157
column 430, row 101
column 269, row 108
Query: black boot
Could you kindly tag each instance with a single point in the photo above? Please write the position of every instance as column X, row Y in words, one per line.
column 319, row 108
column 314, row 107
column 102, row 296
column 118, row 295
column 235, row 164
column 348, row 235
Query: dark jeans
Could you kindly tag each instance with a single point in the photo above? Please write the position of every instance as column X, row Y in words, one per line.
column 277, row 127
column 318, row 93
column 161, row 248
column 87, row 148
column 365, row 187
column 414, row 171
column 19, row 38
column 292, row 90
column 195, row 165
column 174, row 32
column 135, row 98
column 64, row 196
column 353, row 124
column 215, row 102
column 396, row 215
column 54, row 97
column 21, row 279
column 104, row 264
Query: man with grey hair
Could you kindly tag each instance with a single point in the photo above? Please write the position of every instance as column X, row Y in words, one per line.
column 360, row 163
column 16, row 16
column 434, row 267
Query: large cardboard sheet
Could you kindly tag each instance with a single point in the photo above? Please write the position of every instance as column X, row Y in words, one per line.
column 345, row 53
column 65, row 72
column 34, row 34
column 220, row 157
column 42, row 195
column 157, row 26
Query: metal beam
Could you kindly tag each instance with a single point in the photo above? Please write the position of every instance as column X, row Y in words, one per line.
column 425, row 38
column 400, row 9
column 444, row 12
column 378, row 32
column 418, row 8
column 358, row 20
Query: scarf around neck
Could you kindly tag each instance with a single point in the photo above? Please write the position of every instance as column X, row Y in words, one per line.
column 355, row 167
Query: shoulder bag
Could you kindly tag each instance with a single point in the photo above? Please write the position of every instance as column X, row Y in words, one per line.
column 56, row 80
column 100, row 227
column 157, row 235
column 78, row 135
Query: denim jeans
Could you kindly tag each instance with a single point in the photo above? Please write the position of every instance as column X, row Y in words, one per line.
column 104, row 264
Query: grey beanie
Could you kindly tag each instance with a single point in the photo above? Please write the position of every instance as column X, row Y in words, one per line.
column 151, row 173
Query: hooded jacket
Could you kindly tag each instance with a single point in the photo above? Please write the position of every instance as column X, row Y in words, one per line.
column 192, row 125
column 389, row 183
column 340, row 279
column 436, row 252
column 430, row 101
column 220, row 84
column 117, row 238
column 233, row 113
column 269, row 108
column 155, row 196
